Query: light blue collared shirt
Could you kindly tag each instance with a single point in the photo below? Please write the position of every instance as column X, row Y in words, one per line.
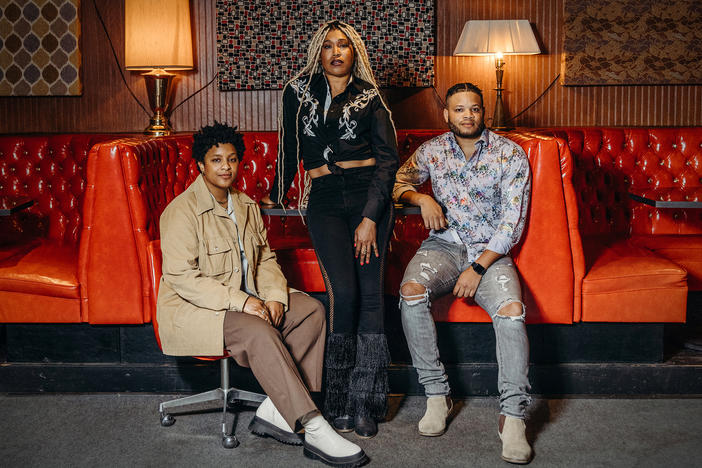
column 244, row 260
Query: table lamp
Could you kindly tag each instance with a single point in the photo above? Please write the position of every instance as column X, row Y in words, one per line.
column 157, row 38
column 498, row 38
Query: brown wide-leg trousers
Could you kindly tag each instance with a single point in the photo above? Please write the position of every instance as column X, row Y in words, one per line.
column 286, row 361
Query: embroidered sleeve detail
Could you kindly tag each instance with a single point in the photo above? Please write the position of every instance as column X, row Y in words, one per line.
column 311, row 119
column 361, row 101
column 412, row 174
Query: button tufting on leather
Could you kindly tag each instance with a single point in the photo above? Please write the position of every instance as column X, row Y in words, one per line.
column 675, row 145
column 649, row 180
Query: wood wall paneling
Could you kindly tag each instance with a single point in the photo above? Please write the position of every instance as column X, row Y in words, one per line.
column 527, row 76
column 106, row 106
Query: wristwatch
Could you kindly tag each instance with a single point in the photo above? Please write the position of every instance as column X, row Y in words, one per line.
column 478, row 268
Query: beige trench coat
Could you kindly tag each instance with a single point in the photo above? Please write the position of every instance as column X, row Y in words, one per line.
column 202, row 269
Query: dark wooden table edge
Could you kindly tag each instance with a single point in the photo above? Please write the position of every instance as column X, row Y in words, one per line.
column 665, row 204
column 399, row 210
column 21, row 205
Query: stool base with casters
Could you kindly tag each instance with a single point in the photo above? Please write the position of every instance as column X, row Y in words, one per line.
column 225, row 395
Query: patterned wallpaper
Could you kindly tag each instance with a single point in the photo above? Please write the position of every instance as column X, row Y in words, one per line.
column 618, row 42
column 262, row 43
column 39, row 48
column 525, row 79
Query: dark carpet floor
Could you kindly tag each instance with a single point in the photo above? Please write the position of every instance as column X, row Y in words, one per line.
column 123, row 430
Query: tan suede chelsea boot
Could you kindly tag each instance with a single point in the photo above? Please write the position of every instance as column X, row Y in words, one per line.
column 515, row 448
column 434, row 421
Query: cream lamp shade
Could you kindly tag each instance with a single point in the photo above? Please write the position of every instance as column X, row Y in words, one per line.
column 498, row 38
column 488, row 37
column 157, row 35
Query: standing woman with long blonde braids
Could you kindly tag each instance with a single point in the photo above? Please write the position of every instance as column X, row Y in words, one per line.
column 334, row 119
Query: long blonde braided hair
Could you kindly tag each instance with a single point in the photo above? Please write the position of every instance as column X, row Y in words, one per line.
column 361, row 69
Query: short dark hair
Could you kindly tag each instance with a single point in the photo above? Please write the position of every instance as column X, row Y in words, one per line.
column 464, row 88
column 213, row 135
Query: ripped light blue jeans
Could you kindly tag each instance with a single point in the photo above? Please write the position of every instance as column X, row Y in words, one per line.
column 437, row 266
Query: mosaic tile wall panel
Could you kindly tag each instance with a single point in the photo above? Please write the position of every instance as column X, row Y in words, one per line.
column 39, row 48
column 262, row 43
column 618, row 42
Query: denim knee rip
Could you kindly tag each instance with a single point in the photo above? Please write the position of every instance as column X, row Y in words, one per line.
column 415, row 299
column 514, row 318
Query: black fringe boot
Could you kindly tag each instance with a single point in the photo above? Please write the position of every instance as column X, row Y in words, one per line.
column 339, row 362
column 368, row 387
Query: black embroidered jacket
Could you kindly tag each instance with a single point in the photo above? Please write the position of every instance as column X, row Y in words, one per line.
column 357, row 127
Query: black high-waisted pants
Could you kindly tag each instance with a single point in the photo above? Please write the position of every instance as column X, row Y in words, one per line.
column 357, row 355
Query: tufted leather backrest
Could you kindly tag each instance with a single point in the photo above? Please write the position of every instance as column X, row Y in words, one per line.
column 50, row 169
column 132, row 181
column 256, row 174
column 549, row 287
column 609, row 162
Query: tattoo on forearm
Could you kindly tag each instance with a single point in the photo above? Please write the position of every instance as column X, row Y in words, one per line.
column 409, row 173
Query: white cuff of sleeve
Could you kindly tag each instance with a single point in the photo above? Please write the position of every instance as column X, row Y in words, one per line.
column 500, row 244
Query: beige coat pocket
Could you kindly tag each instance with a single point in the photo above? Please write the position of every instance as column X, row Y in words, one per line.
column 219, row 257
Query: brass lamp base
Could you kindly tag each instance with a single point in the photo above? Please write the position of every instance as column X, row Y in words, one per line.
column 499, row 117
column 158, row 125
column 158, row 88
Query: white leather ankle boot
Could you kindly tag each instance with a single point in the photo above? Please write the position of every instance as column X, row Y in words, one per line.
column 323, row 443
column 268, row 422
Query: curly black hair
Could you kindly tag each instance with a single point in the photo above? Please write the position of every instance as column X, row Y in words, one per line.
column 213, row 135
column 463, row 88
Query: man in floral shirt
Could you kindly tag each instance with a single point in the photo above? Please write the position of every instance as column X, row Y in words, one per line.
column 481, row 184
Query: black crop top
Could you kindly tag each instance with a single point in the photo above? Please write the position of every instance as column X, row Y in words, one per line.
column 357, row 127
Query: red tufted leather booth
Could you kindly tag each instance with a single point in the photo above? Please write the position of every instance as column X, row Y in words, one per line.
column 588, row 253
column 39, row 247
column 635, row 261
column 547, row 281
column 134, row 180
column 154, row 171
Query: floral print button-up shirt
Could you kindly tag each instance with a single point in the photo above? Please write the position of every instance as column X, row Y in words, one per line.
column 485, row 197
